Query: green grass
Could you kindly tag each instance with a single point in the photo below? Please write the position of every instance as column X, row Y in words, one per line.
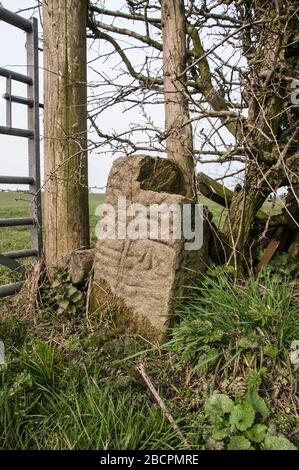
column 231, row 331
column 70, row 381
column 50, row 398
column 250, row 323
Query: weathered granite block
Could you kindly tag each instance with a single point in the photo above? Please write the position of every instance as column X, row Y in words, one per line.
column 146, row 274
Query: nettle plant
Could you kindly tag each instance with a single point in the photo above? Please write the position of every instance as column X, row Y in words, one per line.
column 241, row 425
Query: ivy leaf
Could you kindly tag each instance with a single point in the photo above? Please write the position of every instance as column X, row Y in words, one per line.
column 72, row 309
column 239, row 443
column 76, row 297
column 64, row 304
column 56, row 284
column 72, row 290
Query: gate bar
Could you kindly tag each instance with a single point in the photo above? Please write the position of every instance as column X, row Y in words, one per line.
column 15, row 20
column 18, row 77
column 21, row 254
column 16, row 222
column 10, row 289
column 16, row 180
column 16, row 132
column 12, row 264
column 8, row 103
column 34, row 144
column 20, row 100
column 17, row 99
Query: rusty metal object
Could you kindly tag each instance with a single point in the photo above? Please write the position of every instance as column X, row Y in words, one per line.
column 275, row 245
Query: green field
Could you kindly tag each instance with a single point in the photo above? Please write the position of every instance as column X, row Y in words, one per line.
column 17, row 204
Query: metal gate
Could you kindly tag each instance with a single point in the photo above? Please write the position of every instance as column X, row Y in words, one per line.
column 9, row 260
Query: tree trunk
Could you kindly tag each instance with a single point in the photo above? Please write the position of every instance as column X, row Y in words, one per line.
column 244, row 207
column 65, row 128
column 179, row 140
column 267, row 97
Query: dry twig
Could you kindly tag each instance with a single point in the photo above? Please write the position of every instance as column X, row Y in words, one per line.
column 141, row 370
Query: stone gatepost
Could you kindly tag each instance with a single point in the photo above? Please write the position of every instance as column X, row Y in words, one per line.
column 146, row 275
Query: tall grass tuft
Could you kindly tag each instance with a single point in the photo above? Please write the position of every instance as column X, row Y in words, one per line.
column 41, row 408
column 225, row 323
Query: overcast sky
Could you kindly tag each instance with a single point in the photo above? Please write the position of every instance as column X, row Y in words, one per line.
column 13, row 159
column 13, row 155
